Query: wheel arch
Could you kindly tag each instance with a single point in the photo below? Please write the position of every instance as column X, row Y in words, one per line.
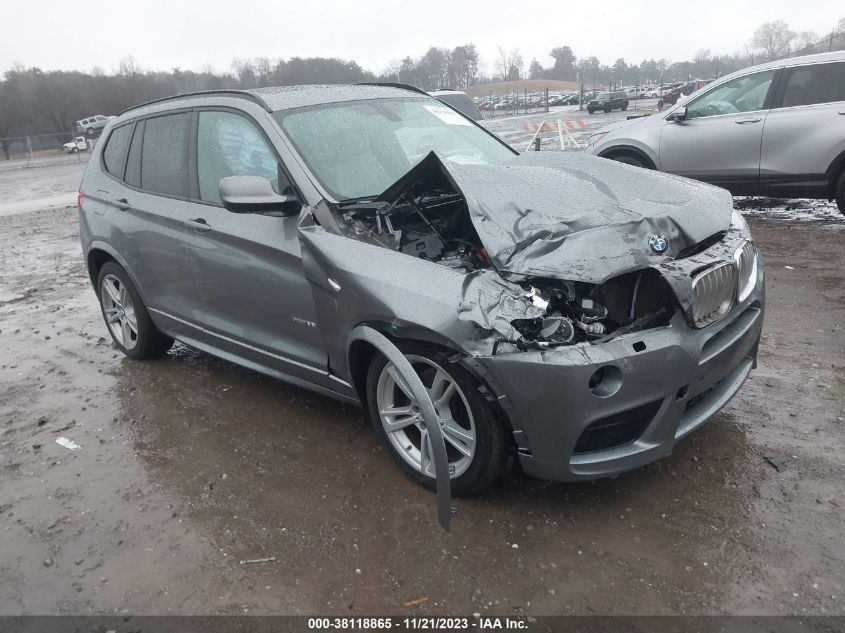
column 360, row 352
column 622, row 150
column 98, row 254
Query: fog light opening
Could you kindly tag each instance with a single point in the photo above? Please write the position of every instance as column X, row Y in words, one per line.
column 605, row 381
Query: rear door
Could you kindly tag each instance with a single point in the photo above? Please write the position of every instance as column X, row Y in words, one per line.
column 719, row 142
column 251, row 292
column 805, row 131
column 152, row 210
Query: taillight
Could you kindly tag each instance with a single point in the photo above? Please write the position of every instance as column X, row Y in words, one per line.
column 79, row 198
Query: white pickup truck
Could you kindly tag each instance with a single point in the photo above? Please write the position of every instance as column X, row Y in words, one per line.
column 78, row 144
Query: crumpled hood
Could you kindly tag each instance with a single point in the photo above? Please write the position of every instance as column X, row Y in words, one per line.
column 581, row 218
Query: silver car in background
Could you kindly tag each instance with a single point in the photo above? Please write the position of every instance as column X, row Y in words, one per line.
column 777, row 129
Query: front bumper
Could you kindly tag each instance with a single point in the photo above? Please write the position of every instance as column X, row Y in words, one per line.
column 676, row 376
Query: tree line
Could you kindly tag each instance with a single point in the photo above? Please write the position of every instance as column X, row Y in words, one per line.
column 35, row 101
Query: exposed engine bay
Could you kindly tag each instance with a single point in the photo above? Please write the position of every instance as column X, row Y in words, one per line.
column 428, row 219
column 433, row 226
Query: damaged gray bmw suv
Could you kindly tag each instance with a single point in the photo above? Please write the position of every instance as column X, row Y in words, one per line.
column 576, row 314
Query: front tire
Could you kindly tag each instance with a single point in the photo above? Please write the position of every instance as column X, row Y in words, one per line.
column 475, row 437
column 126, row 317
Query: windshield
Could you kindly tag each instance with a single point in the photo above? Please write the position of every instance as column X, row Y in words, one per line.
column 604, row 95
column 357, row 149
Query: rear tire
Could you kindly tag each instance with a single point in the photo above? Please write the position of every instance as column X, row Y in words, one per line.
column 840, row 192
column 126, row 317
column 466, row 407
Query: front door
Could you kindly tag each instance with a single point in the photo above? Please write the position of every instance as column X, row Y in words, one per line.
column 719, row 140
column 251, row 294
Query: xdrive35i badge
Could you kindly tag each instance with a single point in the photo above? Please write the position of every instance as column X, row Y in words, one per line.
column 658, row 243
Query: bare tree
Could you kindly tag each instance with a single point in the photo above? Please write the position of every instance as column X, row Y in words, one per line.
column 773, row 38
column 127, row 67
column 503, row 63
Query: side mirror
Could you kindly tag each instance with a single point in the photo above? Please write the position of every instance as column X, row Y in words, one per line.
column 255, row 194
column 679, row 115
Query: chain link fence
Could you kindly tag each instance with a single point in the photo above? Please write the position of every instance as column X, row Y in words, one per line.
column 44, row 145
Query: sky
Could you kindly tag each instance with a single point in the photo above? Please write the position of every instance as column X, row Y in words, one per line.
column 163, row 34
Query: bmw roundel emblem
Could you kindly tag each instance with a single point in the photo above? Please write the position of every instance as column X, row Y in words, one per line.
column 658, row 243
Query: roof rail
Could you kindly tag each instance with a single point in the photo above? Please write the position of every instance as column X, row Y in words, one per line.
column 388, row 84
column 241, row 94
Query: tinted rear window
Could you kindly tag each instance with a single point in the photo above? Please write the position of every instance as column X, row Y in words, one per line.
column 164, row 157
column 114, row 155
column 820, row 83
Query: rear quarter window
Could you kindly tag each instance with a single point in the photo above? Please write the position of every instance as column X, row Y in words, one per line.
column 819, row 83
column 114, row 154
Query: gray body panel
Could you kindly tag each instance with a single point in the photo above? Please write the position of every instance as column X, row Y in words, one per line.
column 718, row 146
column 286, row 296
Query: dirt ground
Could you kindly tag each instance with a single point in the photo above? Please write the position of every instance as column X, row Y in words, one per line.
column 190, row 464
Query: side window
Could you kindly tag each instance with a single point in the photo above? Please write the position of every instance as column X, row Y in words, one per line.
column 743, row 94
column 230, row 145
column 164, row 155
column 114, row 155
column 820, row 83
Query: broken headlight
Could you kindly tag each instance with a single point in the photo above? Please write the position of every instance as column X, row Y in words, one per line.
column 746, row 267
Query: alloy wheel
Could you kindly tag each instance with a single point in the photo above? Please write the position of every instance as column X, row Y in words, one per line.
column 402, row 421
column 119, row 311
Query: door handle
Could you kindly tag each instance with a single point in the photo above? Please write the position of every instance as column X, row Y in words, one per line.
column 198, row 224
column 842, row 112
column 744, row 121
column 122, row 204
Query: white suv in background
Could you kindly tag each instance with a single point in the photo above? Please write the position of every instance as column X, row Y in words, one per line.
column 777, row 129
column 92, row 124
